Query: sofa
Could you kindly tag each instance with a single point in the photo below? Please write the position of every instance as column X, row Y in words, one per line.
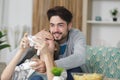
column 103, row 60
column 2, row 66
column 100, row 59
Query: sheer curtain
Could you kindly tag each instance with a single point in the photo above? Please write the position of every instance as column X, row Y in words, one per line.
column 17, row 33
column 2, row 56
column 40, row 8
column 1, row 12
column 14, row 33
column 13, row 37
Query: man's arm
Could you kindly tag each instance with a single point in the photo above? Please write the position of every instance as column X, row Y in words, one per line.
column 78, row 56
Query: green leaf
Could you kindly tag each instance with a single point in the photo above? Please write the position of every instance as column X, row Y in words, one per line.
column 4, row 46
column 56, row 71
column 1, row 34
column 114, row 12
column 2, row 42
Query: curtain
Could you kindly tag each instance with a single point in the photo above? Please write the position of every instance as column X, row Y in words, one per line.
column 1, row 13
column 40, row 8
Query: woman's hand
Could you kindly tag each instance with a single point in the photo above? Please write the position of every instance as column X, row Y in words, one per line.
column 24, row 44
column 44, row 35
column 45, row 41
column 39, row 66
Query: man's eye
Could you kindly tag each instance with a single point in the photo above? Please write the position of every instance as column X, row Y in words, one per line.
column 60, row 25
column 52, row 25
column 47, row 39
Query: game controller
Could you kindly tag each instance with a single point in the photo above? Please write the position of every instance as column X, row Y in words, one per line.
column 32, row 43
column 25, row 66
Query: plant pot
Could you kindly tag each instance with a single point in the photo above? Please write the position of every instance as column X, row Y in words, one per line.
column 114, row 18
column 57, row 78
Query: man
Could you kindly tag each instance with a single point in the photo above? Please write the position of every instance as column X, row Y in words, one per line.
column 72, row 41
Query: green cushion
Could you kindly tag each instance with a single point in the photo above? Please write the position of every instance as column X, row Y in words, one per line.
column 105, row 60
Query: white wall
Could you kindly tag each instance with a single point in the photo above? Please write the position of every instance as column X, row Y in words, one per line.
column 20, row 12
column 17, row 15
column 108, row 34
column 1, row 11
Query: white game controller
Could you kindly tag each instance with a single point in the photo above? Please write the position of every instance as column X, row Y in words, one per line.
column 25, row 66
column 30, row 38
column 32, row 43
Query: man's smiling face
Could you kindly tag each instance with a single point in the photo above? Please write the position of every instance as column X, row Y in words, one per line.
column 59, row 28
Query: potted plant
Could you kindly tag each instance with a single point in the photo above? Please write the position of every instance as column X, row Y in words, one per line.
column 56, row 71
column 114, row 13
column 2, row 42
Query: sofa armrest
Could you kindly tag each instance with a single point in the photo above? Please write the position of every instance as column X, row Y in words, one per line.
column 2, row 66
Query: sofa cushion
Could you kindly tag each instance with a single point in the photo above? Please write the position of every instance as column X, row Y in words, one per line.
column 105, row 60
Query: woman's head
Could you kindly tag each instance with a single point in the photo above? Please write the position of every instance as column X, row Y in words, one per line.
column 46, row 38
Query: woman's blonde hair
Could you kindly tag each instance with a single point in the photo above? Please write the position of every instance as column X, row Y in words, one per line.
column 56, row 52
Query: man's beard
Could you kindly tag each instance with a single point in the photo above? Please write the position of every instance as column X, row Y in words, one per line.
column 61, row 39
column 56, row 35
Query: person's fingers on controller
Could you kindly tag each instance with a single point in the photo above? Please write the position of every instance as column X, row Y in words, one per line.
column 38, row 65
column 25, row 41
column 35, row 60
column 26, row 34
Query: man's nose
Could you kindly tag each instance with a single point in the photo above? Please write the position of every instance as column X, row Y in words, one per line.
column 56, row 28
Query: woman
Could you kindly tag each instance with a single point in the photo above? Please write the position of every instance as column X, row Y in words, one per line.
column 45, row 44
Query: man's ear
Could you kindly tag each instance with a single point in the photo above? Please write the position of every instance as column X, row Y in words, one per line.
column 69, row 25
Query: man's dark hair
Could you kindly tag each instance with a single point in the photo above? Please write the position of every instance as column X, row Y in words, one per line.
column 60, row 11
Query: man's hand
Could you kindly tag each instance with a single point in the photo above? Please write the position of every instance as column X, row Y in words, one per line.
column 44, row 35
column 39, row 66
